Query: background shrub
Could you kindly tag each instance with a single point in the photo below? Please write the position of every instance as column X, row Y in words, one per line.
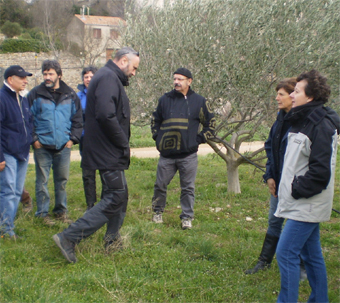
column 21, row 45
column 11, row 29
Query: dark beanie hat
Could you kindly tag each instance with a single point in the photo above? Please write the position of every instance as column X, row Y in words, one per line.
column 183, row 71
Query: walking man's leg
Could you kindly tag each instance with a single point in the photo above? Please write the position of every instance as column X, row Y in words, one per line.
column 114, row 195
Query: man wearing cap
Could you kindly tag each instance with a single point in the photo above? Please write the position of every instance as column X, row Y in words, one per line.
column 16, row 137
column 58, row 124
column 175, row 128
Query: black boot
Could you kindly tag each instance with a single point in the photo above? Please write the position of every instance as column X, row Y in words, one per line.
column 267, row 254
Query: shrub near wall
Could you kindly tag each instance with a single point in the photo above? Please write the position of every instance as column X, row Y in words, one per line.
column 18, row 45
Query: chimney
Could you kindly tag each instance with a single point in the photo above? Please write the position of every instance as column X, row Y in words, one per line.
column 88, row 11
column 83, row 12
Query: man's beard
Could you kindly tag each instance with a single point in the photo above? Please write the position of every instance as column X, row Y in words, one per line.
column 51, row 84
column 125, row 70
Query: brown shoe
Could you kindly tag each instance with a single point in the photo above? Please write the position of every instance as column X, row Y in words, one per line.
column 47, row 220
column 26, row 201
column 63, row 218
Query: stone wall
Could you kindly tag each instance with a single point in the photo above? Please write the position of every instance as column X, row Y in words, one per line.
column 31, row 62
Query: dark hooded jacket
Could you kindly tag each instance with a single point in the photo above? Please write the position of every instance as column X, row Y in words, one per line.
column 107, row 127
column 275, row 147
column 176, row 121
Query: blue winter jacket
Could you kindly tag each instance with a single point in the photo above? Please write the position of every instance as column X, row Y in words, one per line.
column 82, row 96
column 55, row 123
column 15, row 125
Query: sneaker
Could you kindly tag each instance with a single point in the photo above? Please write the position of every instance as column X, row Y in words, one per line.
column 47, row 220
column 66, row 247
column 157, row 218
column 63, row 218
column 186, row 223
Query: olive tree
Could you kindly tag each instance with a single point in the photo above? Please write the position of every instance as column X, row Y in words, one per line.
column 237, row 50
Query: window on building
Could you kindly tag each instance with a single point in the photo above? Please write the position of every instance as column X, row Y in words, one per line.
column 113, row 34
column 97, row 33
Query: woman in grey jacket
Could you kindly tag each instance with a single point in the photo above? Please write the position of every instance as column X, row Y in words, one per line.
column 307, row 187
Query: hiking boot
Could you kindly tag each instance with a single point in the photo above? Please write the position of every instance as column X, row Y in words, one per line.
column 114, row 245
column 157, row 218
column 186, row 223
column 260, row 265
column 47, row 220
column 66, row 247
column 266, row 255
column 63, row 217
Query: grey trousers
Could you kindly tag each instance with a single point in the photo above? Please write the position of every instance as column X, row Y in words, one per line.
column 166, row 169
column 110, row 210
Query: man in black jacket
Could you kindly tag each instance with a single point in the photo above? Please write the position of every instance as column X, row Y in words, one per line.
column 106, row 148
column 175, row 128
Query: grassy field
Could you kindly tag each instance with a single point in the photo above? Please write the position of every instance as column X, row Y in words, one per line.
column 160, row 263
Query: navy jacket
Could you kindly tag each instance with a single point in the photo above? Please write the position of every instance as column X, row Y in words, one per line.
column 15, row 125
column 275, row 147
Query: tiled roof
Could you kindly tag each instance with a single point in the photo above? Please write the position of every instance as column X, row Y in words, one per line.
column 101, row 20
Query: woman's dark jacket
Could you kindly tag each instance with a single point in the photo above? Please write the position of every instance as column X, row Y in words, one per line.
column 275, row 147
column 176, row 121
column 107, row 127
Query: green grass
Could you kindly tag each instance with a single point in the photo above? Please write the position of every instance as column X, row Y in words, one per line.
column 160, row 263
column 141, row 136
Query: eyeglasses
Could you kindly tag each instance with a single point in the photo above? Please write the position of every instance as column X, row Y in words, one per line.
column 179, row 79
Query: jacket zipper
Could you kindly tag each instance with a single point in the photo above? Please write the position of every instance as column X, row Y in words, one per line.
column 22, row 116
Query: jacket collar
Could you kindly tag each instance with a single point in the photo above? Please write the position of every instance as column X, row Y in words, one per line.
column 120, row 74
column 175, row 94
column 63, row 89
column 302, row 112
column 81, row 87
column 7, row 87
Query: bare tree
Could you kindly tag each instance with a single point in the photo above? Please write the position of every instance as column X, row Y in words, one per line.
column 53, row 17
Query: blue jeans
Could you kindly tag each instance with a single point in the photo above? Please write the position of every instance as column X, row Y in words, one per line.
column 166, row 169
column 12, row 180
column 274, row 223
column 301, row 239
column 60, row 163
